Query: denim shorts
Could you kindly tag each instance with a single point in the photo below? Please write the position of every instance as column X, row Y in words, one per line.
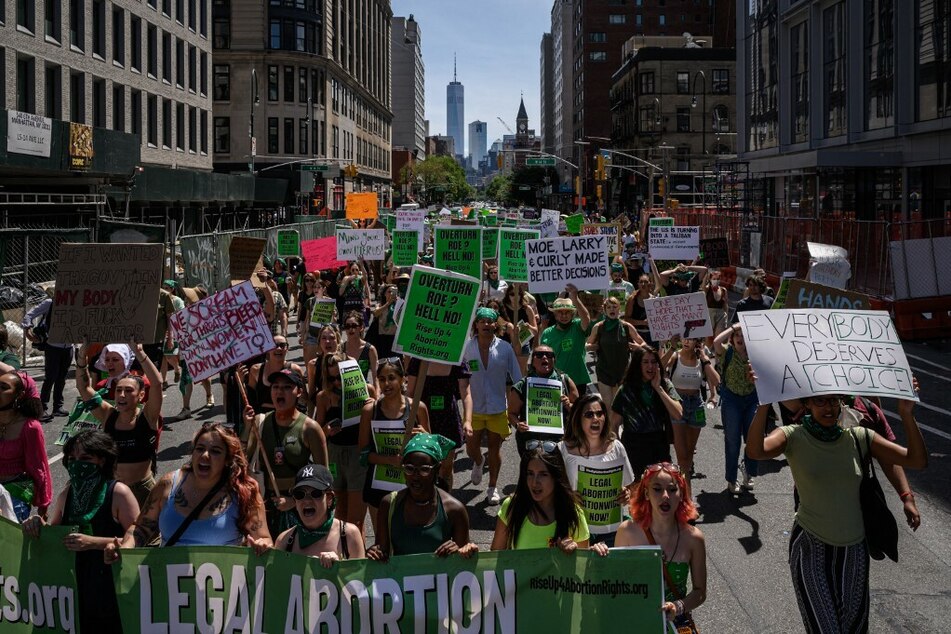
column 695, row 414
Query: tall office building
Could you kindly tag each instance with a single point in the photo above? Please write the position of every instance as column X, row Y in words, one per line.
column 561, row 83
column 409, row 124
column 547, row 94
column 455, row 113
column 477, row 143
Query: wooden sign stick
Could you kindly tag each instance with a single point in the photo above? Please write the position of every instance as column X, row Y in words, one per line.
column 260, row 441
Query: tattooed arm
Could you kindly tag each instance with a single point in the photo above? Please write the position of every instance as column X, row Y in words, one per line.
column 146, row 526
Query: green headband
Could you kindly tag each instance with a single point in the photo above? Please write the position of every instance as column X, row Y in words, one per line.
column 170, row 283
column 487, row 313
column 433, row 445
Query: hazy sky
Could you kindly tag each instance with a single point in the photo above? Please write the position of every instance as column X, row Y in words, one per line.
column 498, row 44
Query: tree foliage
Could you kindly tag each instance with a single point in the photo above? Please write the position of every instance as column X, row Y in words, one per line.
column 442, row 180
column 499, row 188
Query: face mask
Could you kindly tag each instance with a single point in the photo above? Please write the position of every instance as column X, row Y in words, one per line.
column 714, row 283
column 82, row 470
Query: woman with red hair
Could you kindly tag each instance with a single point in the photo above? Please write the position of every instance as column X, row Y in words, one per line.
column 212, row 500
column 661, row 511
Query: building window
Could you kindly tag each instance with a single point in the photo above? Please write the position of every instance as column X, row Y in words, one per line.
column 191, row 14
column 302, row 85
column 762, row 57
column 617, row 18
column 135, row 41
column 77, row 97
column 135, row 112
column 118, row 36
column 222, row 135
column 192, row 68
column 54, row 91
column 99, row 28
column 167, row 123
column 152, row 121
column 598, row 56
column 302, row 133
column 639, row 20
column 180, row 63
column 683, row 119
column 879, row 63
column 180, row 11
column 272, row 83
column 53, row 19
column 335, row 142
column 203, row 74
column 26, row 14
column 203, row 141
column 99, row 102
column 222, row 82
column 721, row 81
column 599, row 38
column 647, row 83
column 275, row 34
column 288, row 136
column 834, row 70
column 203, row 31
column 180, row 126
column 26, row 84
column 721, row 118
column 799, row 76
column 152, row 38
column 662, row 20
column 167, row 8
column 288, row 83
column 118, row 107
column 193, row 129
column 933, row 60
column 221, row 32
column 683, row 83
column 167, row 57
column 77, row 24
column 273, row 143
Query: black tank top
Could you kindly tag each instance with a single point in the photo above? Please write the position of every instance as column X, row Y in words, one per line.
column 135, row 445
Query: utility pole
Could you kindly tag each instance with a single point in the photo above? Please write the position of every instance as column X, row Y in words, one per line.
column 252, row 150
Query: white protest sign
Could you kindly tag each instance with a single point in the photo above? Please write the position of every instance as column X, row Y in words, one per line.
column 826, row 252
column 580, row 260
column 674, row 243
column 221, row 330
column 413, row 220
column 686, row 315
column 548, row 228
column 805, row 352
column 352, row 244
column 828, row 265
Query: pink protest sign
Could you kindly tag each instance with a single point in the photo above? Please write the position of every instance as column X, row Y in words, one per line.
column 321, row 254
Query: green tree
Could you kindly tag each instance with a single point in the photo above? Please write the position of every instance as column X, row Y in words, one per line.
column 529, row 183
column 499, row 188
column 442, row 180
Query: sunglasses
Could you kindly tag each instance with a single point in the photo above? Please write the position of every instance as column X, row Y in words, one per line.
column 544, row 355
column 280, row 345
column 351, row 326
column 595, row 413
column 314, row 494
column 423, row 470
column 822, row 401
column 665, row 466
column 547, row 446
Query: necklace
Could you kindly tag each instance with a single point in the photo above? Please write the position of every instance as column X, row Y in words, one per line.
column 426, row 502
column 676, row 546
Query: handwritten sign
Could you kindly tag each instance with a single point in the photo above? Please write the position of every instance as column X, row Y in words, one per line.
column 716, row 252
column 352, row 244
column 405, row 247
column 802, row 294
column 438, row 314
column 321, row 254
column 413, row 220
column 244, row 255
column 611, row 230
column 685, row 315
column 554, row 262
column 548, row 227
column 106, row 292
column 221, row 330
column 674, row 243
column 459, row 249
column 543, row 408
column 801, row 352
column 512, row 253
column 361, row 205
column 288, row 243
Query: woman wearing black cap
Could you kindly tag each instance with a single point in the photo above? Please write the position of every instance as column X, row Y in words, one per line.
column 319, row 533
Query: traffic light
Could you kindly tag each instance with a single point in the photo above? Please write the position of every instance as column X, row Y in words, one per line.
column 597, row 190
column 499, row 160
column 661, row 186
column 600, row 169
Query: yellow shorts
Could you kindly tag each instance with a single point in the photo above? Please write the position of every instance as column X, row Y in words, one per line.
column 495, row 423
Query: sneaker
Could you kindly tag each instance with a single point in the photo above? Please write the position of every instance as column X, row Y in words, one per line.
column 59, row 412
column 210, row 402
column 748, row 482
column 492, row 496
column 476, row 477
column 47, row 417
column 185, row 413
column 733, row 488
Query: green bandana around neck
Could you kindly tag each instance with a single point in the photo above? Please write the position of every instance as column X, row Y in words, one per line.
column 87, row 491
column 494, row 283
column 610, row 325
column 821, row 432
column 308, row 538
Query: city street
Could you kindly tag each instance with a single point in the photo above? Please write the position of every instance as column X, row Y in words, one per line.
column 749, row 589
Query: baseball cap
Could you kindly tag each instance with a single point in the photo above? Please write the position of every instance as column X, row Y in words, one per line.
column 290, row 375
column 316, row 476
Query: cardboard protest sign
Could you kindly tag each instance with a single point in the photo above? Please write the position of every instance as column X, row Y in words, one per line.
column 802, row 294
column 490, row 243
column 221, row 330
column 413, row 220
column 388, row 441
column 355, row 393
column 674, row 243
column 826, row 252
column 599, row 484
column 288, row 243
column 543, row 408
column 574, row 223
column 353, row 244
column 685, row 315
column 548, row 227
column 438, row 314
column 553, row 262
column 405, row 247
column 459, row 249
column 512, row 266
column 805, row 352
column 322, row 312
column 361, row 205
column 828, row 265
column 611, row 230
column 716, row 252
column 244, row 256
column 321, row 254
column 106, row 292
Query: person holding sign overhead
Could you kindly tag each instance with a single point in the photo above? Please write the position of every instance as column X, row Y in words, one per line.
column 567, row 337
column 542, row 366
column 354, row 290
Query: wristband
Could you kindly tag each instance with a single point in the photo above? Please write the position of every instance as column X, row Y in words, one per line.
column 907, row 494
column 82, row 367
column 679, row 605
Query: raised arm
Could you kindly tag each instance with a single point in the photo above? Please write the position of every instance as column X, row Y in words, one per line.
column 915, row 456
column 153, row 406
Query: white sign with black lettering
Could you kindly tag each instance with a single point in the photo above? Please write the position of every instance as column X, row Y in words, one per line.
column 674, row 243
column 352, row 244
column 554, row 262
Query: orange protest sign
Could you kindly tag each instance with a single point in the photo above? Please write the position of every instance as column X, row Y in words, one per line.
column 361, row 205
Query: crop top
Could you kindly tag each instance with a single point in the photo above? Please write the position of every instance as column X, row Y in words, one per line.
column 217, row 530
column 686, row 377
column 135, row 445
column 27, row 454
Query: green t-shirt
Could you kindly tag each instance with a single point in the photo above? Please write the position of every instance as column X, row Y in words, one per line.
column 734, row 373
column 10, row 359
column 569, row 350
column 827, row 476
column 533, row 536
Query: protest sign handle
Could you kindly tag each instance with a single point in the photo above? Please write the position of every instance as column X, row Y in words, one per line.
column 417, row 394
column 260, row 441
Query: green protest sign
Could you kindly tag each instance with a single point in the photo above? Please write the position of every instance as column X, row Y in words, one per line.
column 459, row 249
column 512, row 267
column 490, row 243
column 437, row 316
column 323, row 312
column 661, row 222
column 288, row 243
column 80, row 419
column 543, row 408
column 388, row 441
column 389, row 222
column 599, row 484
column 781, row 294
column 405, row 247
column 355, row 392
column 524, row 333
column 491, row 220
column 573, row 224
column 39, row 581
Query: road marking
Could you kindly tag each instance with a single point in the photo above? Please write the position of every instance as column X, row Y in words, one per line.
column 937, row 365
column 56, row 458
column 937, row 432
column 929, row 374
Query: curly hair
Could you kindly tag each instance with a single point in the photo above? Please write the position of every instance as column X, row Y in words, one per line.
column 640, row 505
column 567, row 501
column 575, row 437
column 242, row 486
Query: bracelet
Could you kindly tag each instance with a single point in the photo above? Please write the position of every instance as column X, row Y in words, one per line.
column 907, row 494
column 679, row 605
column 82, row 367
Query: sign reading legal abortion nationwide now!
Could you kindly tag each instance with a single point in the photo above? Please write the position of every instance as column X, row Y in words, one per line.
column 106, row 292
column 798, row 353
column 221, row 330
column 554, row 262
column 438, row 314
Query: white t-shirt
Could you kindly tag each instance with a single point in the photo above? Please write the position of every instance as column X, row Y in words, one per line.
column 615, row 452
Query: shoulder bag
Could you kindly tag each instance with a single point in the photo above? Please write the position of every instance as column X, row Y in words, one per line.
column 194, row 514
column 881, row 529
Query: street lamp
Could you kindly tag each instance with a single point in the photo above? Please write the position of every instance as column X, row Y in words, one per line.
column 693, row 104
column 581, row 162
column 255, row 100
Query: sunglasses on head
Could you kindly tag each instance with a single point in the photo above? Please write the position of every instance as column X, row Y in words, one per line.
column 314, row 494
column 662, row 466
column 547, row 446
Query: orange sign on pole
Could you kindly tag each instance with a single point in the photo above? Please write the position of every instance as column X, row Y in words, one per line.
column 361, row 205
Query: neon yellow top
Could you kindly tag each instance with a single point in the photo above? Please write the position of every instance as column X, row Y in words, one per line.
column 533, row 536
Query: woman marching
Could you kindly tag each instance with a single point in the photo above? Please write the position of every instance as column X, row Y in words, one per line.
column 362, row 351
column 24, row 468
column 613, row 340
column 635, row 313
column 738, row 403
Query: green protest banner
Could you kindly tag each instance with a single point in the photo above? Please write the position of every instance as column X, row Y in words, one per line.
column 323, row 312
column 405, row 247
column 355, row 392
column 573, row 224
column 524, row 333
column 437, row 316
column 459, row 249
column 491, row 220
column 80, row 419
column 217, row 589
column 543, row 408
column 599, row 484
column 38, row 580
column 512, row 267
column 490, row 243
column 388, row 441
column 389, row 222
column 288, row 243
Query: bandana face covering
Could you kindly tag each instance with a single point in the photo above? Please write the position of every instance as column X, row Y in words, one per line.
column 611, row 324
column 87, row 491
column 821, row 432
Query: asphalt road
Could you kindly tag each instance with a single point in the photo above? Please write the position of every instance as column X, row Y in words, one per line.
column 749, row 589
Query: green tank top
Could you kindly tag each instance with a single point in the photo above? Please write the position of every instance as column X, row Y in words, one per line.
column 679, row 572
column 416, row 540
column 285, row 445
